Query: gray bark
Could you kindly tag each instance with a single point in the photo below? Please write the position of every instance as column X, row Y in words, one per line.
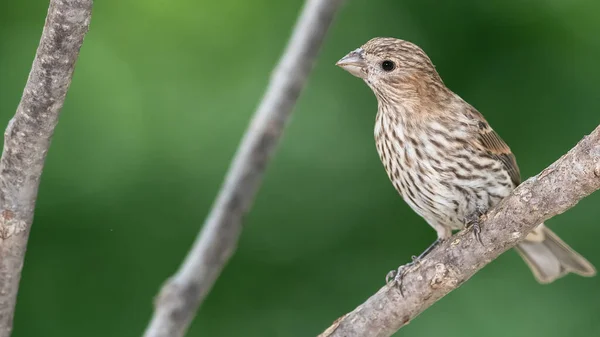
column 183, row 293
column 556, row 189
column 27, row 140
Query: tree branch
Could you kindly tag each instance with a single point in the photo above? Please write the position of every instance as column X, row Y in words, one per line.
column 183, row 293
column 556, row 189
column 27, row 140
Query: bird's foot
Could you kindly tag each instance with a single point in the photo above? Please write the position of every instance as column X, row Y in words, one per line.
column 396, row 277
column 474, row 221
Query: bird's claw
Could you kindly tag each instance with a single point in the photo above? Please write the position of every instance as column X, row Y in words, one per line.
column 477, row 232
column 474, row 221
column 397, row 276
column 391, row 275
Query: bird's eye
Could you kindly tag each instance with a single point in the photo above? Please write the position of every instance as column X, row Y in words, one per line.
column 388, row 65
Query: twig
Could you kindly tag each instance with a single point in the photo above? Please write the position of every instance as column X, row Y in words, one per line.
column 553, row 191
column 27, row 140
column 183, row 293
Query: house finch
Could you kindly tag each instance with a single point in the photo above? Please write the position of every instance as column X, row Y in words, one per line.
column 442, row 156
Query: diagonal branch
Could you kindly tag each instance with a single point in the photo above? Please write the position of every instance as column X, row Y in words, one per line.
column 556, row 189
column 27, row 140
column 183, row 293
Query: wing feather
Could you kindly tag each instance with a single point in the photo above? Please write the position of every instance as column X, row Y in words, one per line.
column 497, row 148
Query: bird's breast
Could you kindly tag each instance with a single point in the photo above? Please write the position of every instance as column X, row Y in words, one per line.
column 432, row 166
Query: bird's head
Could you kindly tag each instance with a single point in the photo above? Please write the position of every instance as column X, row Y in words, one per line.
column 390, row 65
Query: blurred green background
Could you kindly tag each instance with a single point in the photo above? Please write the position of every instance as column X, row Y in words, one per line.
column 162, row 93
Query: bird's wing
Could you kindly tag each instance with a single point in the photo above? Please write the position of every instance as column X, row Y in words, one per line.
column 497, row 148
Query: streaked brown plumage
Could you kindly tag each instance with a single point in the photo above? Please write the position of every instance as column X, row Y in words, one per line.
column 440, row 153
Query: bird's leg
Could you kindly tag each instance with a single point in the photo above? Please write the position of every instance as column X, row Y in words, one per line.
column 428, row 249
column 398, row 275
column 474, row 221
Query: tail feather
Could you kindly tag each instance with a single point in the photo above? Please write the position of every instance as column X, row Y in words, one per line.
column 550, row 258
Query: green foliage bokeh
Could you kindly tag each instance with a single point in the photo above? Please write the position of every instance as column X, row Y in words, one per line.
column 162, row 93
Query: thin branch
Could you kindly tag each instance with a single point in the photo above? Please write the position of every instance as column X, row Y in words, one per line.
column 556, row 189
column 27, row 140
column 183, row 293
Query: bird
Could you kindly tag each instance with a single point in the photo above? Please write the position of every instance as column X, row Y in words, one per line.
column 442, row 156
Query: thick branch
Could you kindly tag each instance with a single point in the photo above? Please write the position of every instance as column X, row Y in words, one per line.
column 183, row 293
column 553, row 191
column 27, row 140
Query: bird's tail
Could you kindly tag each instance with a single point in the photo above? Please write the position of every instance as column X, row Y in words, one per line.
column 550, row 258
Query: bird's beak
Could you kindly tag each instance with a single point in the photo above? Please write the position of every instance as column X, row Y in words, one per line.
column 354, row 63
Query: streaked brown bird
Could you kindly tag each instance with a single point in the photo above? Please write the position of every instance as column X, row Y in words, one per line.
column 441, row 154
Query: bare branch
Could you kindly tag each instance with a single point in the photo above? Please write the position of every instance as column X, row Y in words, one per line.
column 27, row 140
column 183, row 293
column 556, row 189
